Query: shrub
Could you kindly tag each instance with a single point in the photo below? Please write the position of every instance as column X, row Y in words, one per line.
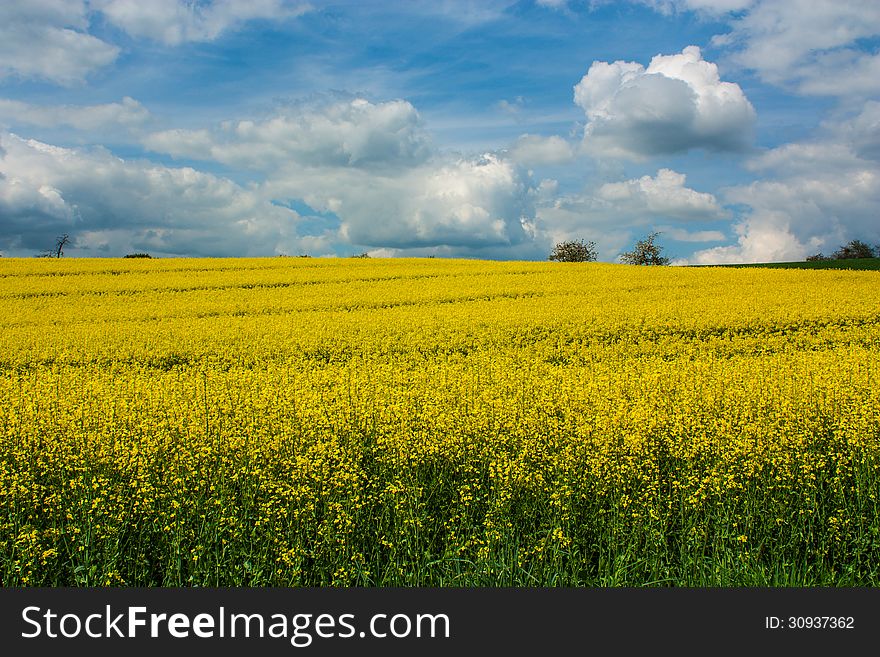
column 574, row 251
column 138, row 255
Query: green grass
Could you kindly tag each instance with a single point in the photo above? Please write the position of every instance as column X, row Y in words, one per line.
column 872, row 264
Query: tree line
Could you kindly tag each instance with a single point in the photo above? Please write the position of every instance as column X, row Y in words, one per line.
column 648, row 252
column 645, row 252
column 855, row 250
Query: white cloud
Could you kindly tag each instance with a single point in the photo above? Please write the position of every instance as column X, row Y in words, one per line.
column 466, row 13
column 844, row 145
column 809, row 45
column 127, row 114
column 177, row 21
column 108, row 203
column 373, row 166
column 194, row 144
column 461, row 203
column 814, row 196
column 356, row 133
column 717, row 6
column 532, row 150
column 552, row 4
column 802, row 158
column 763, row 237
column 683, row 235
column 663, row 195
column 862, row 133
column 482, row 201
column 844, row 72
column 611, row 213
column 512, row 108
column 678, row 103
column 712, row 7
column 49, row 39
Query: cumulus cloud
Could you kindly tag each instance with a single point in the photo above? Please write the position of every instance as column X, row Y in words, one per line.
column 663, row 195
column 610, row 213
column 49, row 39
column 177, row 21
column 374, row 168
column 814, row 196
column 762, row 237
column 354, row 133
column 127, row 114
column 111, row 205
column 809, row 45
column 676, row 104
column 533, row 150
column 463, row 203
column 477, row 201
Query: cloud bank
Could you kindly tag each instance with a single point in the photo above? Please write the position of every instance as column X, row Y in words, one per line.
column 110, row 206
column 813, row 196
column 374, row 166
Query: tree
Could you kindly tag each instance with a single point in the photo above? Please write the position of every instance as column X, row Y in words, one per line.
column 574, row 251
column 60, row 242
column 855, row 249
column 646, row 252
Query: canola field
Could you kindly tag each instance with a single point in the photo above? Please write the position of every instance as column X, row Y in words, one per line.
column 364, row 422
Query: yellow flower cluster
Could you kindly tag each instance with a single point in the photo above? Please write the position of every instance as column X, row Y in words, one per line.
column 287, row 421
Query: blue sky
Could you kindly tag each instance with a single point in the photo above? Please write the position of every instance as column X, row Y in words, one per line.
column 742, row 130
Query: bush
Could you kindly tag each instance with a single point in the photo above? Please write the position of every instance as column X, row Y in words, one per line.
column 853, row 250
column 645, row 253
column 818, row 257
column 138, row 255
column 574, row 251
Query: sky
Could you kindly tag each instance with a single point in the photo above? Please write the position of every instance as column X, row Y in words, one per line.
column 740, row 130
